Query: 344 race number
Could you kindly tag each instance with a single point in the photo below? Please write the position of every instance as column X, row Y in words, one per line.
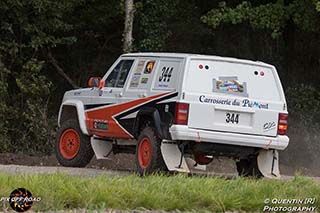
column 166, row 74
column 232, row 118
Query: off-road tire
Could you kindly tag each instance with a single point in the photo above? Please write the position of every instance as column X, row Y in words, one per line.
column 248, row 167
column 84, row 152
column 156, row 162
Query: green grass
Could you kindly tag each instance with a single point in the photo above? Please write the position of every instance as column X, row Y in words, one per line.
column 158, row 192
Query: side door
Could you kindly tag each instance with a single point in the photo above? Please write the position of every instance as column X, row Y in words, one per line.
column 114, row 81
column 101, row 116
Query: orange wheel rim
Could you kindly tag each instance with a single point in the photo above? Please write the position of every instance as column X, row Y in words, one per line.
column 69, row 144
column 144, row 153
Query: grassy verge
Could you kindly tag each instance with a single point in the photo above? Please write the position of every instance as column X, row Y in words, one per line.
column 61, row 191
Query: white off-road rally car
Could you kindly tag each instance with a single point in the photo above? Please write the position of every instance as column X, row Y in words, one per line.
column 168, row 108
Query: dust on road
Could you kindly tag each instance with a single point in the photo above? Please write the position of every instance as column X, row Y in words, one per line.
column 91, row 172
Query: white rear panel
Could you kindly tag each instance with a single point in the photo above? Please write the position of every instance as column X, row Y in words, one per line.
column 231, row 96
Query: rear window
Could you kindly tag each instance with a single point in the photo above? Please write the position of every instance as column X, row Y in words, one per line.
column 229, row 78
column 167, row 74
column 142, row 75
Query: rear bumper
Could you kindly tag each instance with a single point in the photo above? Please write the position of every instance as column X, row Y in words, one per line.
column 181, row 132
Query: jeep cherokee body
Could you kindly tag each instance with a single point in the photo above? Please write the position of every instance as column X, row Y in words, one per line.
column 164, row 107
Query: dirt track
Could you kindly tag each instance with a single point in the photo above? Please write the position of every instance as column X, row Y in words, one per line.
column 19, row 169
column 122, row 164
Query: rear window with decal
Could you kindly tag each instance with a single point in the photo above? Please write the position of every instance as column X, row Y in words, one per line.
column 234, row 79
column 229, row 84
column 141, row 76
column 167, row 74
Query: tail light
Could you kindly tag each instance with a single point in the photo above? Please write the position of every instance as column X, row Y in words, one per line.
column 282, row 124
column 181, row 114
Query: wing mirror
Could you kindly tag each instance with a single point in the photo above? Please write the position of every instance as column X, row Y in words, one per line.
column 95, row 82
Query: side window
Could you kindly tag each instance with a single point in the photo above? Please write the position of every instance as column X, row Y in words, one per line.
column 167, row 75
column 142, row 75
column 118, row 75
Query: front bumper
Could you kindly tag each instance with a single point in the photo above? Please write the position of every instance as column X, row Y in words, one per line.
column 181, row 132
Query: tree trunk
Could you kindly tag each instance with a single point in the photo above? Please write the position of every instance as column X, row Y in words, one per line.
column 54, row 62
column 128, row 26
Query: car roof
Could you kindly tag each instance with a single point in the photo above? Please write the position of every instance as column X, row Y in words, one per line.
column 159, row 54
column 193, row 56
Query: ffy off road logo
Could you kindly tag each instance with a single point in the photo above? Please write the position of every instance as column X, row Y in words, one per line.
column 20, row 200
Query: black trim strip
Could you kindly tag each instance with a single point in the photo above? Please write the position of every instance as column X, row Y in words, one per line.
column 92, row 106
column 144, row 105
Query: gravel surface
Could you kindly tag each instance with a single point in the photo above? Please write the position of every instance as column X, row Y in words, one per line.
column 19, row 169
column 91, row 172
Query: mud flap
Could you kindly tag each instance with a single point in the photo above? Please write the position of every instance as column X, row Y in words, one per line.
column 268, row 163
column 101, row 148
column 172, row 156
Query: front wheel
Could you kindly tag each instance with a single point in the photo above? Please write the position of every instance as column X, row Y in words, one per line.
column 73, row 148
column 148, row 153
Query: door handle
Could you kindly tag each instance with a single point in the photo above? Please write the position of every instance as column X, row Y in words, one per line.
column 142, row 95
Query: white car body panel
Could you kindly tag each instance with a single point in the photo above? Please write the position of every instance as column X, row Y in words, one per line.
column 80, row 112
column 180, row 132
column 206, row 118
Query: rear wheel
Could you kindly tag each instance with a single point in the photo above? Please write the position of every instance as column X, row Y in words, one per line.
column 248, row 167
column 72, row 148
column 148, row 153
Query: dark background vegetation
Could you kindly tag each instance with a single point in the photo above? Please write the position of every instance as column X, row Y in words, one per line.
column 48, row 47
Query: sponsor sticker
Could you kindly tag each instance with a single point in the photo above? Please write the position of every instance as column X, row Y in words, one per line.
column 269, row 126
column 230, row 85
column 100, row 124
column 144, row 80
column 233, row 102
column 135, row 80
column 149, row 67
column 140, row 66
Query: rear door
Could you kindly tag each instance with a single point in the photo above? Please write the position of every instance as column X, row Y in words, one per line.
column 140, row 79
column 231, row 96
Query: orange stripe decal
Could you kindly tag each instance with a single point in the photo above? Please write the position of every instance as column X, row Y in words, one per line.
column 107, row 113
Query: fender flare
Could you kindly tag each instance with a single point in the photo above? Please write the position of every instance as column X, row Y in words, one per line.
column 80, row 112
column 153, row 113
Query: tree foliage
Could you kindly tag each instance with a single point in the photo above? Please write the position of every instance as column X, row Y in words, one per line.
column 272, row 16
column 155, row 15
column 43, row 43
column 28, row 29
